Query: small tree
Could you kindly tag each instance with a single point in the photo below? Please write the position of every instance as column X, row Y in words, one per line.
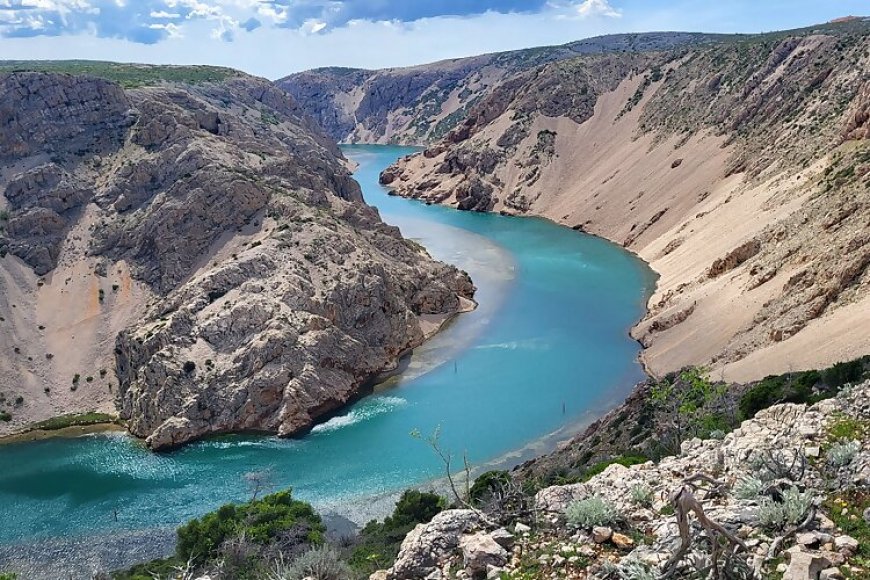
column 688, row 404
column 259, row 481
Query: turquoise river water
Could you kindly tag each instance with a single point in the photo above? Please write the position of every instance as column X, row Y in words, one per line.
column 547, row 348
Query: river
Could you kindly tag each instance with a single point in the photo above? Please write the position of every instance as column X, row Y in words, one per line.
column 547, row 349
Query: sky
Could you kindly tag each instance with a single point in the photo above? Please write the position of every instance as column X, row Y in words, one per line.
column 273, row 38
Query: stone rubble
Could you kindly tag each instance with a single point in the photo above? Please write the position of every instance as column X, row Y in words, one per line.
column 457, row 542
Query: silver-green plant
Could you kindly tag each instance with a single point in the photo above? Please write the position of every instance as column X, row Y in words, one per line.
column 793, row 508
column 591, row 512
column 717, row 434
column 748, row 488
column 321, row 563
column 641, row 494
column 842, row 454
column 629, row 569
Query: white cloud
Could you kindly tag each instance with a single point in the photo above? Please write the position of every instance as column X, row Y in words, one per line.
column 164, row 14
column 312, row 26
column 598, row 8
column 584, row 9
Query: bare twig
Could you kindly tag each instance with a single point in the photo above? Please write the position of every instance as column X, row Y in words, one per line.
column 684, row 502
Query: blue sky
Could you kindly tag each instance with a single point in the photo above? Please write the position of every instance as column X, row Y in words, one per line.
column 276, row 37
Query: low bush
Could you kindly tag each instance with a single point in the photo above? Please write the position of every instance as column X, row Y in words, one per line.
column 320, row 563
column 774, row 389
column 73, row 420
column 378, row 542
column 259, row 521
column 5, row 416
column 777, row 515
column 642, row 495
column 842, row 454
column 844, row 372
column 748, row 488
column 486, row 485
column 591, row 512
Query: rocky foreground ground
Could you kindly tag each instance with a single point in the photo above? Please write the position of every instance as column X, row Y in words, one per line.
column 775, row 496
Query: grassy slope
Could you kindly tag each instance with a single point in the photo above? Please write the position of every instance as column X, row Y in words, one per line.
column 125, row 74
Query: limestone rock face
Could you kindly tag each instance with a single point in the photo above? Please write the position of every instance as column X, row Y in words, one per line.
column 428, row 545
column 480, row 551
column 270, row 292
column 455, row 539
column 74, row 115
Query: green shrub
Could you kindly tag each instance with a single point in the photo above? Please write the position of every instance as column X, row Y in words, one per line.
column 848, row 429
column 73, row 420
column 842, row 454
column 642, row 495
column 748, row 488
column 775, row 389
column 486, row 485
column 260, row 521
column 790, row 511
column 378, row 542
column 5, row 416
column 321, row 563
column 843, row 372
column 591, row 512
column 842, row 508
column 7, row 576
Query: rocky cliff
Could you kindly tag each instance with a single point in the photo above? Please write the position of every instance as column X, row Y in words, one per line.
column 194, row 252
column 738, row 168
column 420, row 104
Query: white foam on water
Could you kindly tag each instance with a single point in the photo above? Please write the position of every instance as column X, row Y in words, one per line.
column 367, row 409
column 528, row 344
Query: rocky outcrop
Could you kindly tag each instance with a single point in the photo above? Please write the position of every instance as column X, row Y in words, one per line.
column 77, row 116
column 734, row 258
column 252, row 286
column 640, row 496
column 427, row 546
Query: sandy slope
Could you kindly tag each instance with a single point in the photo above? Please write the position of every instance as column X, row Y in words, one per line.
column 672, row 202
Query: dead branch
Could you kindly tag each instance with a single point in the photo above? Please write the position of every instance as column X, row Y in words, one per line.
column 685, row 502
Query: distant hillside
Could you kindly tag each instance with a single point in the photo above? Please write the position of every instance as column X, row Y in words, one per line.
column 738, row 167
column 128, row 75
column 420, row 104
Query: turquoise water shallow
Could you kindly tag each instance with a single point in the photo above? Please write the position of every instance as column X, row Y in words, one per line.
column 551, row 333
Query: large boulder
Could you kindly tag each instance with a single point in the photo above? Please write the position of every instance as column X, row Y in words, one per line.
column 480, row 551
column 427, row 546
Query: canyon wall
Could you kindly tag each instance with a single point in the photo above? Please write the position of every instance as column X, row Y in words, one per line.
column 194, row 255
column 737, row 167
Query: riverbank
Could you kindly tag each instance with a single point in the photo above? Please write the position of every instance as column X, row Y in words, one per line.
column 71, row 425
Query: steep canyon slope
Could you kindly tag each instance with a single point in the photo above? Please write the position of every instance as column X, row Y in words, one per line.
column 420, row 104
column 737, row 167
column 190, row 250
